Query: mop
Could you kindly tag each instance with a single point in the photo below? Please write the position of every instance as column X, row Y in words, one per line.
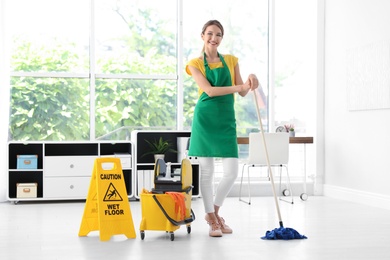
column 281, row 232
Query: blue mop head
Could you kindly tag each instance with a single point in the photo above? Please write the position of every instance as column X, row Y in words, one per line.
column 283, row 233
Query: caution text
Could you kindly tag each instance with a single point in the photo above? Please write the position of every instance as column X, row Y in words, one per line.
column 110, row 176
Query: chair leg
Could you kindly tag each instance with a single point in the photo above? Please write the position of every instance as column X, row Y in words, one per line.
column 249, row 187
column 242, row 176
column 281, row 192
column 288, row 185
column 249, row 191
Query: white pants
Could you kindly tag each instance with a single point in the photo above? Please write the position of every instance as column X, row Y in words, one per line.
column 230, row 172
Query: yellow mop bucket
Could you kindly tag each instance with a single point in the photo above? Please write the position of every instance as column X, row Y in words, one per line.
column 168, row 211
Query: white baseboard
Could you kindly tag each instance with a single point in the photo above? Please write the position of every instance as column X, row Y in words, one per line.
column 367, row 198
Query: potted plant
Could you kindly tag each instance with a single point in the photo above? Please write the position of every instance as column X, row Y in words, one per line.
column 290, row 129
column 159, row 148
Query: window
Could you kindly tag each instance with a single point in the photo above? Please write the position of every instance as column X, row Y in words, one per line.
column 49, row 69
column 82, row 70
column 295, row 64
column 295, row 76
column 136, row 66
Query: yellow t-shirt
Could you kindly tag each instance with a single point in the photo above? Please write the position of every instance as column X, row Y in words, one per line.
column 231, row 62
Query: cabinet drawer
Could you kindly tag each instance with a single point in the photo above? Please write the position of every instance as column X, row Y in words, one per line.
column 68, row 166
column 66, row 187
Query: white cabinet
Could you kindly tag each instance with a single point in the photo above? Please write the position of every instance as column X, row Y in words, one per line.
column 64, row 169
column 67, row 176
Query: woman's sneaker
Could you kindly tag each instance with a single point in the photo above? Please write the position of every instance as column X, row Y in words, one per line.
column 224, row 228
column 215, row 227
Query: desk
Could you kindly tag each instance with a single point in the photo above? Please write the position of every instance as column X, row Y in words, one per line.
column 293, row 140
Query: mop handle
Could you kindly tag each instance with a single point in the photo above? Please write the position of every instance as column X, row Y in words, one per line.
column 268, row 162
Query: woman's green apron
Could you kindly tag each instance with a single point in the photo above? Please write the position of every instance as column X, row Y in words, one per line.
column 214, row 125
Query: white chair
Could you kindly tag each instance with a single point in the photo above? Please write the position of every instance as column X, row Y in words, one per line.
column 278, row 154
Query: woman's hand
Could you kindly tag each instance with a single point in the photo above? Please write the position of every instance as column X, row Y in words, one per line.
column 250, row 84
column 253, row 81
column 246, row 86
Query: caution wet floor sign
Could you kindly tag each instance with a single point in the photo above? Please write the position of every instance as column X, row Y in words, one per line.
column 107, row 208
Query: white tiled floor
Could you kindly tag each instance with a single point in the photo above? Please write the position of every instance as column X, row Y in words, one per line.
column 336, row 229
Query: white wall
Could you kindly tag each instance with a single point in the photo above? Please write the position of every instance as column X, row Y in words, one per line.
column 356, row 142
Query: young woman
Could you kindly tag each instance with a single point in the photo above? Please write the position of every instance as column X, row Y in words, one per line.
column 214, row 125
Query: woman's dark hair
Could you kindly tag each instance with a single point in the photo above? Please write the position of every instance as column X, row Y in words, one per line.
column 213, row 22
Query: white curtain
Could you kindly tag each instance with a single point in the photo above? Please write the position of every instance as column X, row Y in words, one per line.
column 4, row 105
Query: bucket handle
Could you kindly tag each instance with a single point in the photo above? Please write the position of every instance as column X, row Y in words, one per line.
column 174, row 222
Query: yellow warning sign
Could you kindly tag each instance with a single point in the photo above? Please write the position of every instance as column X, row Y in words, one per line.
column 107, row 208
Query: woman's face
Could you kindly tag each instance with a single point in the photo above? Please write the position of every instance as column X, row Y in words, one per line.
column 212, row 37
